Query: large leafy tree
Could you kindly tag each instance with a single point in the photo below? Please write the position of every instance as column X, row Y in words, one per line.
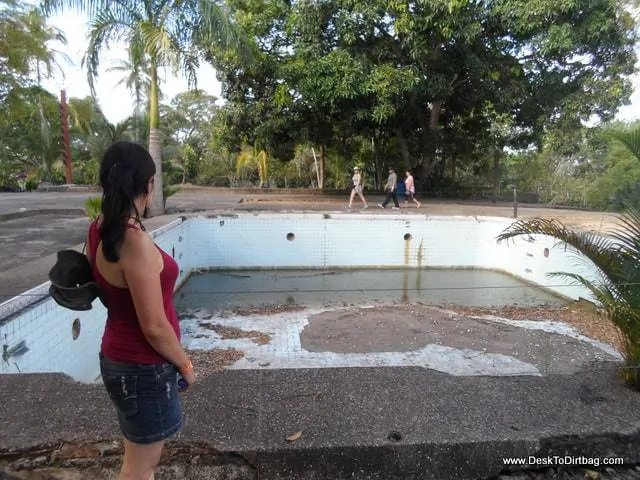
column 29, row 123
column 174, row 34
column 24, row 46
column 432, row 76
column 187, row 129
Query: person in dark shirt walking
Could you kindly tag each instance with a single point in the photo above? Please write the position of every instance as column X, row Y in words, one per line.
column 391, row 186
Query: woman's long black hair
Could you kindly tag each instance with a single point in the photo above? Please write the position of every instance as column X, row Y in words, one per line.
column 125, row 171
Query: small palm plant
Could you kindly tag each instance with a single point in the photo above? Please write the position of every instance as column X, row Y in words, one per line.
column 254, row 158
column 617, row 258
column 169, row 191
column 93, row 207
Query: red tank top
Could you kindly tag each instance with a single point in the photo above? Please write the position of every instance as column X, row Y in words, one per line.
column 123, row 339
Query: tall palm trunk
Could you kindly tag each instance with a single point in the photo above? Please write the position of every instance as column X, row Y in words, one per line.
column 155, row 145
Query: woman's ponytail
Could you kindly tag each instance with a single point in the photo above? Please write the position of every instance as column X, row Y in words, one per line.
column 125, row 172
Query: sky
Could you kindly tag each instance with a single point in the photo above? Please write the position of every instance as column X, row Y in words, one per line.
column 116, row 101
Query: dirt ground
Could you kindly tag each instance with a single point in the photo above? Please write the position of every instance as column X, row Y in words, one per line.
column 580, row 315
column 593, row 221
column 412, row 327
column 211, row 198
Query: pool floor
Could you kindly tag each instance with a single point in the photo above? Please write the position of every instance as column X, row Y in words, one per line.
column 366, row 318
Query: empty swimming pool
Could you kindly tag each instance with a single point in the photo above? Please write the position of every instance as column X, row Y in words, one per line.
column 313, row 260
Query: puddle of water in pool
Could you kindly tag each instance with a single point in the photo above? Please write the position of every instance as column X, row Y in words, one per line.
column 219, row 291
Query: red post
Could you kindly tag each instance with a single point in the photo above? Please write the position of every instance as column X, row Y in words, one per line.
column 64, row 118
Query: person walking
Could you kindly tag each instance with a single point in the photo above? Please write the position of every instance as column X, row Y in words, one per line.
column 410, row 189
column 356, row 188
column 140, row 355
column 391, row 189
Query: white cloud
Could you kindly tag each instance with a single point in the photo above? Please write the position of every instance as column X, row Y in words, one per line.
column 116, row 101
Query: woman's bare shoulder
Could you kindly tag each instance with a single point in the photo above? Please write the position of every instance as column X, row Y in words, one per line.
column 137, row 242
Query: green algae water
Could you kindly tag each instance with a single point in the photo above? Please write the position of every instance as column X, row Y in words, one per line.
column 219, row 290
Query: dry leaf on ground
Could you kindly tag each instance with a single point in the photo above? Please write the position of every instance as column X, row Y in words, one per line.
column 206, row 362
column 295, row 436
column 227, row 332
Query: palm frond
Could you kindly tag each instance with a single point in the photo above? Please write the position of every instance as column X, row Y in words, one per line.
column 602, row 250
column 244, row 159
column 158, row 43
column 215, row 28
column 630, row 139
column 627, row 234
column 91, row 7
column 603, row 292
column 107, row 26
column 261, row 160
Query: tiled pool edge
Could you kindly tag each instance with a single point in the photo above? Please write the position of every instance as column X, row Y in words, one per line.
column 40, row 292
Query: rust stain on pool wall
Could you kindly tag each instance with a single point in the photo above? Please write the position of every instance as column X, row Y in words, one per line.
column 420, row 258
column 405, row 274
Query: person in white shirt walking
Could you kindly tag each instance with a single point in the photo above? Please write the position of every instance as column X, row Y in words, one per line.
column 391, row 187
column 357, row 188
column 410, row 188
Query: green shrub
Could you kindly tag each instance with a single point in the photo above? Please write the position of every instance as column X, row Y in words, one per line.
column 169, row 190
column 93, row 207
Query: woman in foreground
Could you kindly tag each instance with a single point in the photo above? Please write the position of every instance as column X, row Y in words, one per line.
column 141, row 354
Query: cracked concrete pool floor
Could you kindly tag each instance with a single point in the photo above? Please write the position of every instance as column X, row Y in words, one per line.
column 406, row 335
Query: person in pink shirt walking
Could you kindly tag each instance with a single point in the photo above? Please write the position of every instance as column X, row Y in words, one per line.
column 410, row 189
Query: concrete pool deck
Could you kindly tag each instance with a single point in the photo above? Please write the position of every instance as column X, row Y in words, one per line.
column 356, row 423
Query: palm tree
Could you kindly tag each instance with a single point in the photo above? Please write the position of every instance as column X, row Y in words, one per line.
column 254, row 158
column 136, row 78
column 616, row 257
column 174, row 34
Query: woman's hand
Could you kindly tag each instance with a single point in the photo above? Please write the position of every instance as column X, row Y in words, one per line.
column 187, row 375
column 190, row 378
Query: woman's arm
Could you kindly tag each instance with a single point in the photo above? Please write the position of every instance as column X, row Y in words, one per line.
column 141, row 269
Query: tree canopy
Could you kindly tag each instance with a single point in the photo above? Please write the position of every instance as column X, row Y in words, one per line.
column 476, row 97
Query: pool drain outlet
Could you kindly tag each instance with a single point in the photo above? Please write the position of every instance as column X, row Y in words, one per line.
column 75, row 329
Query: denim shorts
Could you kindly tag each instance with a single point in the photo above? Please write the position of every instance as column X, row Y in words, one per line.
column 146, row 399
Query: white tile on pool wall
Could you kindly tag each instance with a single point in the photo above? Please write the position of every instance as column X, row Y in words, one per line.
column 46, row 330
column 458, row 241
column 175, row 241
column 255, row 241
column 526, row 259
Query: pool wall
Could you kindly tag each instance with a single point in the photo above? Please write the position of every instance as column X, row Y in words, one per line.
column 47, row 329
column 305, row 241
